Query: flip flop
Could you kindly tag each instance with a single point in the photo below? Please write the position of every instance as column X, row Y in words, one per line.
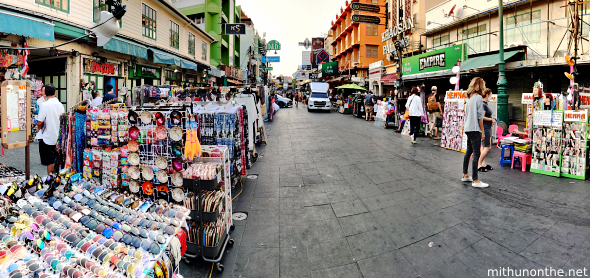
column 482, row 169
column 489, row 167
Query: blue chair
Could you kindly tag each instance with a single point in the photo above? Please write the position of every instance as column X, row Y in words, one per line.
column 503, row 158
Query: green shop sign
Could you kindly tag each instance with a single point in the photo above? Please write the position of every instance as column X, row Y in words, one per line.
column 442, row 59
column 329, row 69
column 273, row 45
column 145, row 72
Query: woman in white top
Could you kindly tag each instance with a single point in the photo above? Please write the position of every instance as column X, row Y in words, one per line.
column 96, row 98
column 414, row 104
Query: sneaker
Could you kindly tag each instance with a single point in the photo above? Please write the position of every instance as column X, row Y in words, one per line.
column 480, row 184
column 467, row 179
column 412, row 139
column 436, row 138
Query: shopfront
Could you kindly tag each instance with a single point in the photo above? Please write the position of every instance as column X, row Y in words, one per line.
column 173, row 77
column 104, row 73
column 375, row 71
column 145, row 75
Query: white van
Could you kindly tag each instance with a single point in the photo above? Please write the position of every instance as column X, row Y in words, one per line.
column 318, row 98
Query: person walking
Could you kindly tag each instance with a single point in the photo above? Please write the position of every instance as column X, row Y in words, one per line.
column 415, row 112
column 96, row 98
column 296, row 99
column 304, row 99
column 48, row 128
column 473, row 128
column 110, row 95
column 369, row 106
column 434, row 111
column 486, row 144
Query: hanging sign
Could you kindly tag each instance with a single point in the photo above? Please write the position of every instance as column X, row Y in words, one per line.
column 305, row 43
column 527, row 98
column 273, row 45
column 271, row 59
column 584, row 100
column 545, row 118
column 455, row 95
column 401, row 27
column 148, row 72
column 95, row 67
column 235, row 29
column 365, row 7
column 366, row 19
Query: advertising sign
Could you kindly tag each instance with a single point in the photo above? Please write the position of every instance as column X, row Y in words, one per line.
column 317, row 45
column 322, row 57
column 268, row 68
column 96, row 67
column 527, row 98
column 575, row 134
column 300, row 75
column 306, row 58
column 271, row 59
column 403, row 26
column 584, row 100
column 235, row 29
column 273, row 45
column 366, row 19
column 330, row 69
column 365, row 7
column 442, row 59
column 305, row 43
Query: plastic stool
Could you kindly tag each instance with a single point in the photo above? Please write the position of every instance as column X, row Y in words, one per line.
column 502, row 158
column 524, row 159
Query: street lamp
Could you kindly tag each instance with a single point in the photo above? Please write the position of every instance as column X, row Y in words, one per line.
column 502, row 83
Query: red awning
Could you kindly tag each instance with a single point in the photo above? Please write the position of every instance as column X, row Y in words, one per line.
column 389, row 78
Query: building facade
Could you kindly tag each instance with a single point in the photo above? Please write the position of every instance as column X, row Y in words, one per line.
column 356, row 45
column 212, row 15
column 156, row 45
column 535, row 42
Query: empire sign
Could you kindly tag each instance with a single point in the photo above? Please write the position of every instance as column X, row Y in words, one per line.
column 436, row 60
column 401, row 27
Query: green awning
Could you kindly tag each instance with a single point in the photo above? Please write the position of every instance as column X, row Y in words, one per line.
column 161, row 57
column 28, row 26
column 126, row 47
column 490, row 60
column 186, row 64
column 351, row 86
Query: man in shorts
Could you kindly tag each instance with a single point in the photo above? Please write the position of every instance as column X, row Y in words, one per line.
column 48, row 128
column 369, row 105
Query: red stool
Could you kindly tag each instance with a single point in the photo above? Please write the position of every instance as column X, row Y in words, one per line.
column 524, row 158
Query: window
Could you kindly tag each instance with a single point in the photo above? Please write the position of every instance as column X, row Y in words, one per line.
column 174, row 35
column 524, row 27
column 441, row 40
column 148, row 21
column 371, row 30
column 203, row 51
column 372, row 51
column 99, row 6
column 476, row 39
column 376, row 1
column 191, row 44
column 60, row 5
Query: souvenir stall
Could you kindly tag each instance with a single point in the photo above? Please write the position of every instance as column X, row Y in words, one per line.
column 358, row 106
column 547, row 142
column 453, row 137
column 575, row 135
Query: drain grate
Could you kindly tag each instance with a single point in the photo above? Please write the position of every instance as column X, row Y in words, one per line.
column 239, row 216
column 252, row 177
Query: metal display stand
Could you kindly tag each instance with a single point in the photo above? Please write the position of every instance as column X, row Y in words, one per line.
column 212, row 254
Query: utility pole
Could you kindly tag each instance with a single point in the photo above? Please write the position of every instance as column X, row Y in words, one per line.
column 502, row 83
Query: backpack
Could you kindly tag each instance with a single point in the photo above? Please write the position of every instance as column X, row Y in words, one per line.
column 432, row 104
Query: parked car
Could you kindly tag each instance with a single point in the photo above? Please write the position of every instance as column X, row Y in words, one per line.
column 283, row 101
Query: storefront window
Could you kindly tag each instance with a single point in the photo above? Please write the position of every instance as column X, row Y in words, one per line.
column 372, row 30
column 477, row 40
column 524, row 27
column 174, row 35
column 191, row 44
column 59, row 81
column 60, row 5
column 148, row 21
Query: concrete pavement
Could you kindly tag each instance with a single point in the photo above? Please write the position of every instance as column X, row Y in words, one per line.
column 340, row 197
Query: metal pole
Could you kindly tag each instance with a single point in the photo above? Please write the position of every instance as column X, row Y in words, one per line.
column 502, row 83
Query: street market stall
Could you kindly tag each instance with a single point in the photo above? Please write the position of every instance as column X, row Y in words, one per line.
column 349, row 94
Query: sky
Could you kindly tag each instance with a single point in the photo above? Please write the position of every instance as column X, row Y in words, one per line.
column 290, row 22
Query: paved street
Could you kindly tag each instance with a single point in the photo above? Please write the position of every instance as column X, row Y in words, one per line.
column 340, row 197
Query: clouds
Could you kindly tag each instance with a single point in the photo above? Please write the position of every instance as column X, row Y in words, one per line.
column 290, row 22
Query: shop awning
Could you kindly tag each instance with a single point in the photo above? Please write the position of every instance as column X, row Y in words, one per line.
column 161, row 57
column 126, row 47
column 229, row 80
column 28, row 26
column 389, row 78
column 490, row 60
column 433, row 74
column 351, row 86
column 337, row 79
column 186, row 64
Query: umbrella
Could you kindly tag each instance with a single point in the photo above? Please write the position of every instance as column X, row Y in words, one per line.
column 351, row 86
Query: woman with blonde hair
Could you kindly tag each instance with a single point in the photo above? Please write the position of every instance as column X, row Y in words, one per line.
column 473, row 128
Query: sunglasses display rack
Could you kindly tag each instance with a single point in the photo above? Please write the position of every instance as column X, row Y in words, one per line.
column 208, row 229
column 69, row 226
column 10, row 174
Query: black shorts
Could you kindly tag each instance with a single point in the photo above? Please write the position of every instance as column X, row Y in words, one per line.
column 48, row 153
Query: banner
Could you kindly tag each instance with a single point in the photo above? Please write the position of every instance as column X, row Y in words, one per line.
column 453, row 136
column 575, row 134
column 330, row 69
column 442, row 59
